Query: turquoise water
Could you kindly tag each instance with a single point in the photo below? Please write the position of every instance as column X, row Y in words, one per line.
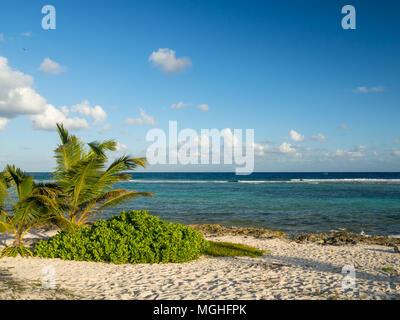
column 292, row 202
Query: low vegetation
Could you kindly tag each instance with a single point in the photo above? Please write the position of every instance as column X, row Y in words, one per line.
column 83, row 184
column 24, row 204
column 87, row 181
column 131, row 237
column 227, row 249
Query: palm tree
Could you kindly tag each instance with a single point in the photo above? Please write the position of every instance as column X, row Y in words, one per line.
column 86, row 180
column 23, row 205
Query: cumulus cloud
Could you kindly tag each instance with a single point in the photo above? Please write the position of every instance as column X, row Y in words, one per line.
column 203, row 107
column 17, row 97
column 3, row 123
column 260, row 149
column 47, row 120
column 286, row 148
column 51, row 67
column 295, row 136
column 144, row 118
column 319, row 137
column 96, row 112
column 179, row 105
column 355, row 152
column 16, row 94
column 364, row 89
column 166, row 60
column 121, row 147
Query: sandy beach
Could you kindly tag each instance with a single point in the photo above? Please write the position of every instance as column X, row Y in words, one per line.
column 289, row 271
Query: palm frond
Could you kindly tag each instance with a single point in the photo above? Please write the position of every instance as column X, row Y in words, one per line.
column 63, row 133
column 123, row 197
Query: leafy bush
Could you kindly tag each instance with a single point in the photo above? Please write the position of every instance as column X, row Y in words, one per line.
column 131, row 237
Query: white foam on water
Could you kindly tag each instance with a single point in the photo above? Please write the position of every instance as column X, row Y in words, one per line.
column 358, row 180
column 308, row 181
column 177, row 181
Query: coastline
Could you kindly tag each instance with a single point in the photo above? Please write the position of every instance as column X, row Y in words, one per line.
column 302, row 269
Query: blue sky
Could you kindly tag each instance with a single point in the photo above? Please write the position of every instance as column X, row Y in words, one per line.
column 272, row 66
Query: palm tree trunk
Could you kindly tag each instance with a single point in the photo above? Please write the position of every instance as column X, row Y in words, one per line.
column 18, row 238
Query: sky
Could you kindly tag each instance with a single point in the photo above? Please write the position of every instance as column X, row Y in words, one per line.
column 319, row 97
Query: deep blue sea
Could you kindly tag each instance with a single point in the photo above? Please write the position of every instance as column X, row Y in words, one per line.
column 291, row 202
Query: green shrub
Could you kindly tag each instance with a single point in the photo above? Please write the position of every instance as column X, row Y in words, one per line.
column 131, row 237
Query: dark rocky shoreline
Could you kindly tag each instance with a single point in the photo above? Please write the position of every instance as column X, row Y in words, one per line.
column 332, row 238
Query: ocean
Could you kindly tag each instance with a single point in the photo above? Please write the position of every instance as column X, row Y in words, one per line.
column 292, row 202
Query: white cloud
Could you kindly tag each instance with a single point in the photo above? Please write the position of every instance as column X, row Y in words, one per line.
column 295, row 136
column 26, row 34
column 51, row 67
column 147, row 119
column 17, row 97
column 203, row 107
column 144, row 118
column 96, row 112
column 3, row 123
column 364, row 89
column 396, row 152
column 319, row 137
column 165, row 59
column 260, row 149
column 286, row 148
column 121, row 147
column 132, row 121
column 355, row 152
column 179, row 105
column 344, row 127
column 47, row 120
column 16, row 94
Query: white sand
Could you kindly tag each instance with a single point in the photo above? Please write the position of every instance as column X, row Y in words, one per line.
column 290, row 271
